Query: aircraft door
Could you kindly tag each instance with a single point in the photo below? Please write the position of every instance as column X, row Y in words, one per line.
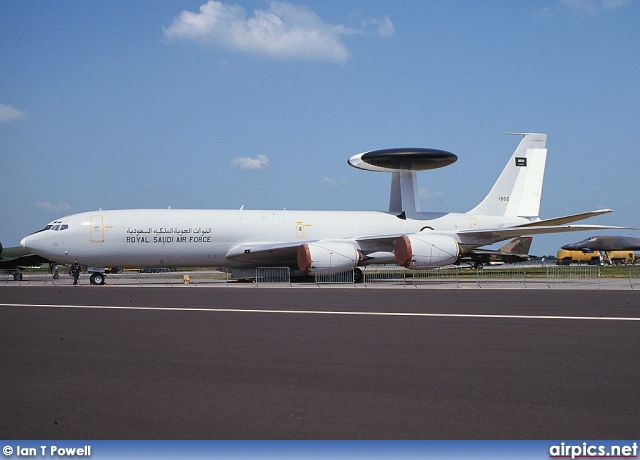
column 97, row 229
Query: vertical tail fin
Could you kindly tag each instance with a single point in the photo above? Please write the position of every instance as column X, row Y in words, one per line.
column 518, row 246
column 518, row 190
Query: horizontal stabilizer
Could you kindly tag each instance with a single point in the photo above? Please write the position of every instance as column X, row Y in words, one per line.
column 566, row 219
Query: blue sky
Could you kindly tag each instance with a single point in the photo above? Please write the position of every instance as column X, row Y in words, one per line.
column 191, row 104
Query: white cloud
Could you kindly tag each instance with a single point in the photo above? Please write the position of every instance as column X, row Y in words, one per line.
column 283, row 31
column 50, row 207
column 383, row 27
column 10, row 113
column 614, row 4
column 386, row 28
column 544, row 13
column 592, row 7
column 330, row 182
column 259, row 162
column 582, row 6
column 334, row 183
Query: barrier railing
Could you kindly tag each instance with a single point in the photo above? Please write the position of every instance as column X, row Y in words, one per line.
column 160, row 276
column 634, row 277
column 273, row 275
column 441, row 275
column 346, row 277
column 29, row 278
column 549, row 276
column 388, row 274
column 505, row 274
column 573, row 274
column 219, row 275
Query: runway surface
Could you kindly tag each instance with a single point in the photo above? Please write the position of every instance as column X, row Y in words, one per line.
column 318, row 363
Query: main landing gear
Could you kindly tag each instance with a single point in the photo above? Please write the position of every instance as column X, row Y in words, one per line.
column 97, row 279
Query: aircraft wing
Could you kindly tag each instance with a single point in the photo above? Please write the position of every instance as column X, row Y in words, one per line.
column 482, row 237
column 285, row 254
column 566, row 219
column 269, row 254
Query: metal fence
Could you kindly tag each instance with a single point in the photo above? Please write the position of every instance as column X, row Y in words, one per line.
column 387, row 274
column 32, row 277
column 452, row 276
column 434, row 276
column 346, row 277
column 505, row 274
column 394, row 274
column 634, row 277
column 500, row 275
column 162, row 277
column 273, row 275
column 573, row 274
column 195, row 277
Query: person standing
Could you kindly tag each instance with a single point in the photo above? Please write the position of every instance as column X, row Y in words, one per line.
column 75, row 272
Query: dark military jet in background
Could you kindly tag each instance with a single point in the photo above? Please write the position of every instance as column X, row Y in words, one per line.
column 12, row 259
column 605, row 243
column 516, row 250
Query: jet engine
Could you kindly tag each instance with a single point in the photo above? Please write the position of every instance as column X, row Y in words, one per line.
column 424, row 250
column 327, row 257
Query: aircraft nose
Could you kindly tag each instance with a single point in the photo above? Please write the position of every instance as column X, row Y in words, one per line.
column 23, row 242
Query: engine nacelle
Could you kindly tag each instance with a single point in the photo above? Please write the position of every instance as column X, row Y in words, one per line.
column 327, row 257
column 424, row 250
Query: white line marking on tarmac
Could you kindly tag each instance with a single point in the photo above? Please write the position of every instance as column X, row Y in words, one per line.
column 323, row 312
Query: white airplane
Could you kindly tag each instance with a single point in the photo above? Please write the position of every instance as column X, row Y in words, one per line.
column 316, row 242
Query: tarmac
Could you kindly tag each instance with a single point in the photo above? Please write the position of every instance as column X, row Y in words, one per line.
column 246, row 362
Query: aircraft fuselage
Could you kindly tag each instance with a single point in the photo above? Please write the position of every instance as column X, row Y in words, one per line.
column 180, row 237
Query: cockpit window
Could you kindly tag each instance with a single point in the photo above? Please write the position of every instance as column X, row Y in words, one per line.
column 54, row 226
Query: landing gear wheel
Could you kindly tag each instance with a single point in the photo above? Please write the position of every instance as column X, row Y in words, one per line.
column 97, row 279
column 358, row 277
column 17, row 276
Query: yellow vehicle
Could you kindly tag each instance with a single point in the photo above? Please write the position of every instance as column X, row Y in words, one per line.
column 565, row 257
column 621, row 258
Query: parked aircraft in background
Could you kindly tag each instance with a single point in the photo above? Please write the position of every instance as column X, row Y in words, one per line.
column 605, row 243
column 609, row 249
column 316, row 242
column 516, row 250
column 12, row 259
